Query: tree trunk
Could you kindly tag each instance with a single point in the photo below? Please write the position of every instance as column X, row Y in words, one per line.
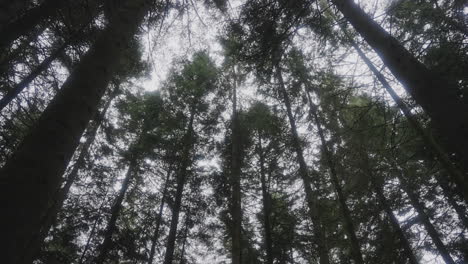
column 266, row 204
column 115, row 212
column 18, row 88
column 378, row 189
column 437, row 96
column 181, row 178
column 155, row 237
column 31, row 177
column 236, row 205
column 26, row 23
column 311, row 198
column 186, row 232
column 348, row 221
column 62, row 194
column 395, row 224
column 449, row 194
column 93, row 230
column 454, row 174
column 420, row 209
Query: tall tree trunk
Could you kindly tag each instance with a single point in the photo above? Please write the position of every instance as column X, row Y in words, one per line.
column 420, row 209
column 437, row 96
column 93, row 230
column 31, row 177
column 30, row 19
column 62, row 194
column 348, row 221
column 236, row 205
column 395, row 224
column 13, row 92
column 454, row 174
column 378, row 189
column 186, row 232
column 155, row 237
column 266, row 204
column 311, row 198
column 181, row 178
column 115, row 212
column 449, row 194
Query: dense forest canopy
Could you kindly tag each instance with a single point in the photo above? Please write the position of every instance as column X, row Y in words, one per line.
column 217, row 131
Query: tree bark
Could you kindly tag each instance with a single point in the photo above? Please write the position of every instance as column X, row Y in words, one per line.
column 395, row 224
column 181, row 178
column 62, row 194
column 31, row 177
column 266, row 204
column 348, row 221
column 449, row 194
column 436, row 95
column 30, row 19
column 18, row 88
column 93, row 230
column 420, row 209
column 115, row 212
column 236, row 205
column 311, row 198
column 186, row 232
column 453, row 173
column 155, row 237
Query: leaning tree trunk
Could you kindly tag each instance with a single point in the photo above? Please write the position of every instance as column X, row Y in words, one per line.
column 420, row 209
column 181, row 178
column 450, row 195
column 115, row 212
column 348, row 221
column 31, row 177
column 266, row 204
column 311, row 198
column 14, row 91
column 155, row 237
column 436, row 95
column 28, row 21
column 236, row 205
column 62, row 194
column 378, row 189
column 93, row 231
column 453, row 173
column 395, row 224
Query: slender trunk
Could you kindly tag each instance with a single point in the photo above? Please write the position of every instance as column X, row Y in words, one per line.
column 395, row 224
column 62, row 194
column 155, row 237
column 236, row 205
column 181, row 178
column 348, row 221
column 378, row 189
column 30, row 19
column 30, row 178
column 312, row 200
column 93, row 230
column 454, row 174
column 420, row 209
column 266, row 204
column 437, row 96
column 115, row 212
column 449, row 194
column 186, row 231
column 18, row 88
